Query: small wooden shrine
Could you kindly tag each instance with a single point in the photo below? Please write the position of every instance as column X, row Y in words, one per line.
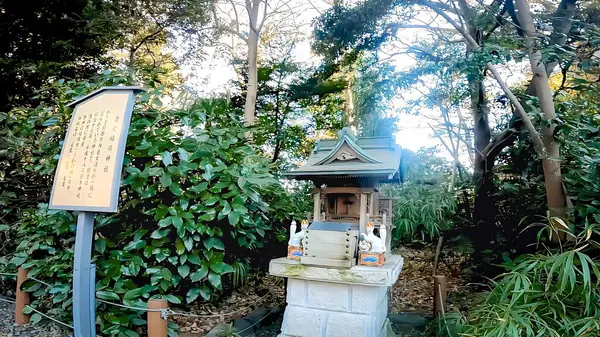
column 346, row 173
column 339, row 265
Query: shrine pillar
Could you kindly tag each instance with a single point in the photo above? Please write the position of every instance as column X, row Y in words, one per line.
column 317, row 205
column 363, row 212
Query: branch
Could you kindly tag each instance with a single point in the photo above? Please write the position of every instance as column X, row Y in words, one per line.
column 499, row 142
column 441, row 140
column 146, row 39
column 499, row 22
column 406, row 25
column 224, row 28
column 315, row 8
column 237, row 19
column 533, row 134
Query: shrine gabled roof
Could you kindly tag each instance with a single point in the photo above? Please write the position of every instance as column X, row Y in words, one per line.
column 349, row 156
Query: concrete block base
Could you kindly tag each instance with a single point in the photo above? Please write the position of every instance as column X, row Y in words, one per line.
column 342, row 308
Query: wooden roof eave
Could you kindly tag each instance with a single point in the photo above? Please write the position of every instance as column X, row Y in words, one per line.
column 383, row 174
column 362, row 155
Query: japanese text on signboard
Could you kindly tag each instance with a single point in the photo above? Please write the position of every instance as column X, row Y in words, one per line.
column 86, row 170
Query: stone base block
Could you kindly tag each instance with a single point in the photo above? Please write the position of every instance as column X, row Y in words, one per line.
column 320, row 309
column 331, row 302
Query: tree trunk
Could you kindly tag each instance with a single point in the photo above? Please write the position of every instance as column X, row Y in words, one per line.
column 351, row 119
column 252, row 6
column 131, row 62
column 551, row 162
column 252, row 87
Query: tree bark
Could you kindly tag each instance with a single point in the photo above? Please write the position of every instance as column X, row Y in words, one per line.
column 479, row 108
column 551, row 162
column 252, row 6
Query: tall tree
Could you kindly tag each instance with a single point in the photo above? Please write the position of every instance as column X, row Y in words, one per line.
column 345, row 31
column 41, row 43
column 141, row 29
column 247, row 21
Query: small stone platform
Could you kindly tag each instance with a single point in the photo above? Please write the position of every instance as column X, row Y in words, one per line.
column 330, row 302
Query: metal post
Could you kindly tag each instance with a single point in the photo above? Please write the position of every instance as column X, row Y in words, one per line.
column 83, row 284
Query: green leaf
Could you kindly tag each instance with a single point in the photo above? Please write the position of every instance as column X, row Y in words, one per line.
column 189, row 243
column 241, row 182
column 160, row 233
column 177, row 221
column 183, row 154
column 166, row 274
column 35, row 318
column 167, row 158
column 214, row 279
column 155, row 171
column 192, row 295
column 195, row 259
column 205, row 292
column 212, row 200
column 200, row 187
column 199, row 274
column 131, row 333
column 165, row 222
column 165, row 180
column 179, row 248
column 233, row 217
column 50, row 121
column 107, row 295
column 131, row 294
column 100, row 245
column 173, row 299
column 207, row 175
column 214, row 243
column 175, row 189
column 183, row 270
column 221, row 268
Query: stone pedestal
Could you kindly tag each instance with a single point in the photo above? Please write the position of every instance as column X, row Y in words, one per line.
column 330, row 302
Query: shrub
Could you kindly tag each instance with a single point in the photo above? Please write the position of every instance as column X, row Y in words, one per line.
column 421, row 211
column 192, row 205
column 554, row 294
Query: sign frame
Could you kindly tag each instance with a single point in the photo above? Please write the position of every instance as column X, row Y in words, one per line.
column 121, row 146
column 84, row 272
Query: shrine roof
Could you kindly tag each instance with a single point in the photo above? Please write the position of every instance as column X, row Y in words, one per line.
column 349, row 156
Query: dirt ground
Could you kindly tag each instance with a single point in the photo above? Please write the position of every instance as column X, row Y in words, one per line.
column 413, row 292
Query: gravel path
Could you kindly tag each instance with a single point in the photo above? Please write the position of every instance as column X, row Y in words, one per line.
column 42, row 329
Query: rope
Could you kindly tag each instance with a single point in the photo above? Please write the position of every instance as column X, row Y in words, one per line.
column 175, row 313
column 6, row 300
column 50, row 318
column 39, row 281
column 260, row 320
column 8, row 274
column 130, row 307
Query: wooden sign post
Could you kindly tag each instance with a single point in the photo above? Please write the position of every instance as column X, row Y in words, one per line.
column 87, row 179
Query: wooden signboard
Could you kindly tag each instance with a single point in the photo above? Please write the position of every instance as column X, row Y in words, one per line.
column 88, row 174
column 87, row 179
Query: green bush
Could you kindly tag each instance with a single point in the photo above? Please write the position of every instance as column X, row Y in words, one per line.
column 193, row 204
column 421, row 211
column 554, row 294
